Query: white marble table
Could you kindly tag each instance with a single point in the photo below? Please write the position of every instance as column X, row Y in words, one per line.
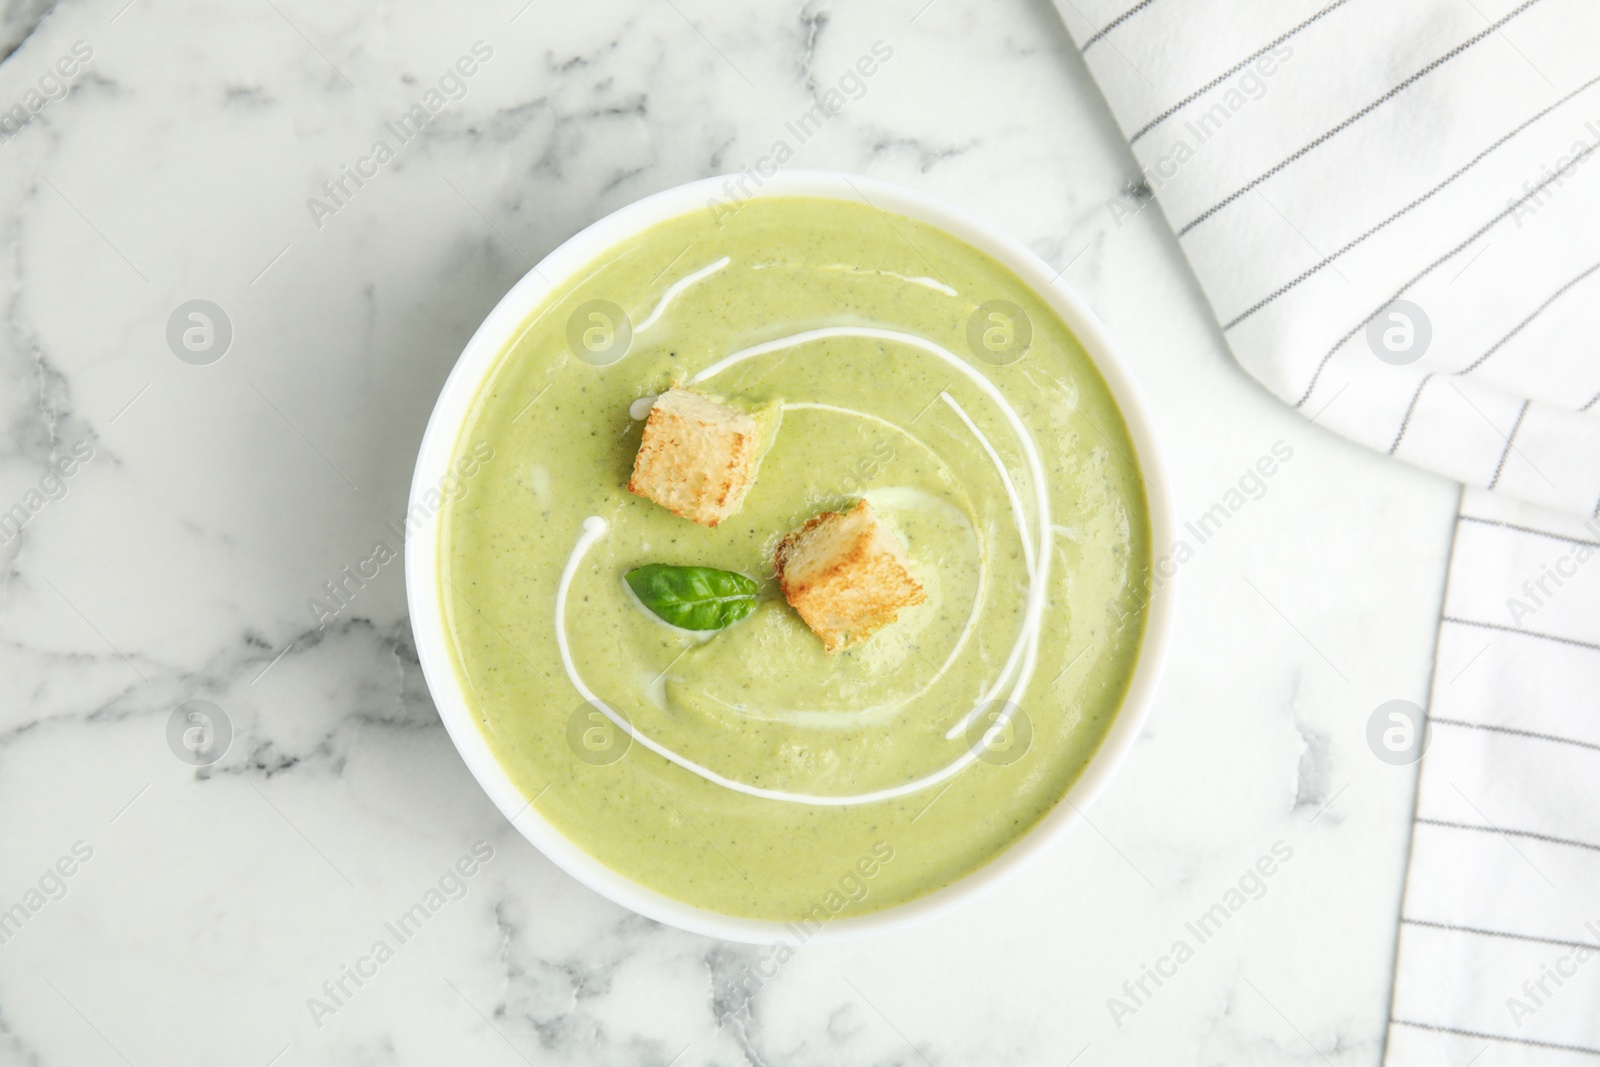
column 177, row 563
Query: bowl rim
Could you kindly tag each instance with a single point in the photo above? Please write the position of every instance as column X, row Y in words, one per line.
column 454, row 404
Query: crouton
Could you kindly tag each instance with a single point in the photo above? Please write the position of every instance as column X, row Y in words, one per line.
column 847, row 575
column 698, row 457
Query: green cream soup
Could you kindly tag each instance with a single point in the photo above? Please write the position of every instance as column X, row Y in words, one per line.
column 746, row 770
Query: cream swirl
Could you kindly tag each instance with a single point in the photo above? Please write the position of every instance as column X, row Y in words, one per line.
column 1019, row 666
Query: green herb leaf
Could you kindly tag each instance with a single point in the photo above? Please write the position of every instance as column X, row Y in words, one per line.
column 694, row 598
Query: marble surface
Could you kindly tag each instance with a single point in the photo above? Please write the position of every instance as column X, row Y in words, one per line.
column 176, row 563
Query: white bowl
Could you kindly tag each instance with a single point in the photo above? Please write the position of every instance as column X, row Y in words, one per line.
column 422, row 547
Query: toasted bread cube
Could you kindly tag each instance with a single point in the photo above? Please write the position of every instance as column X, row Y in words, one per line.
column 847, row 575
column 698, row 457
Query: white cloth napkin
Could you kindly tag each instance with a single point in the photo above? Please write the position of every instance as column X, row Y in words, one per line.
column 1394, row 210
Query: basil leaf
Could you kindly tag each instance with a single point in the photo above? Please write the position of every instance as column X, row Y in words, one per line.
column 694, row 598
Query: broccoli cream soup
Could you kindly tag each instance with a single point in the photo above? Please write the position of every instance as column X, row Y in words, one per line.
column 746, row 769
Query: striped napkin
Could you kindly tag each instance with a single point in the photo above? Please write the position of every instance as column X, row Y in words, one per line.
column 1394, row 210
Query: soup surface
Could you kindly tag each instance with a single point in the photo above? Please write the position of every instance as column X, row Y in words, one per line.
column 746, row 770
